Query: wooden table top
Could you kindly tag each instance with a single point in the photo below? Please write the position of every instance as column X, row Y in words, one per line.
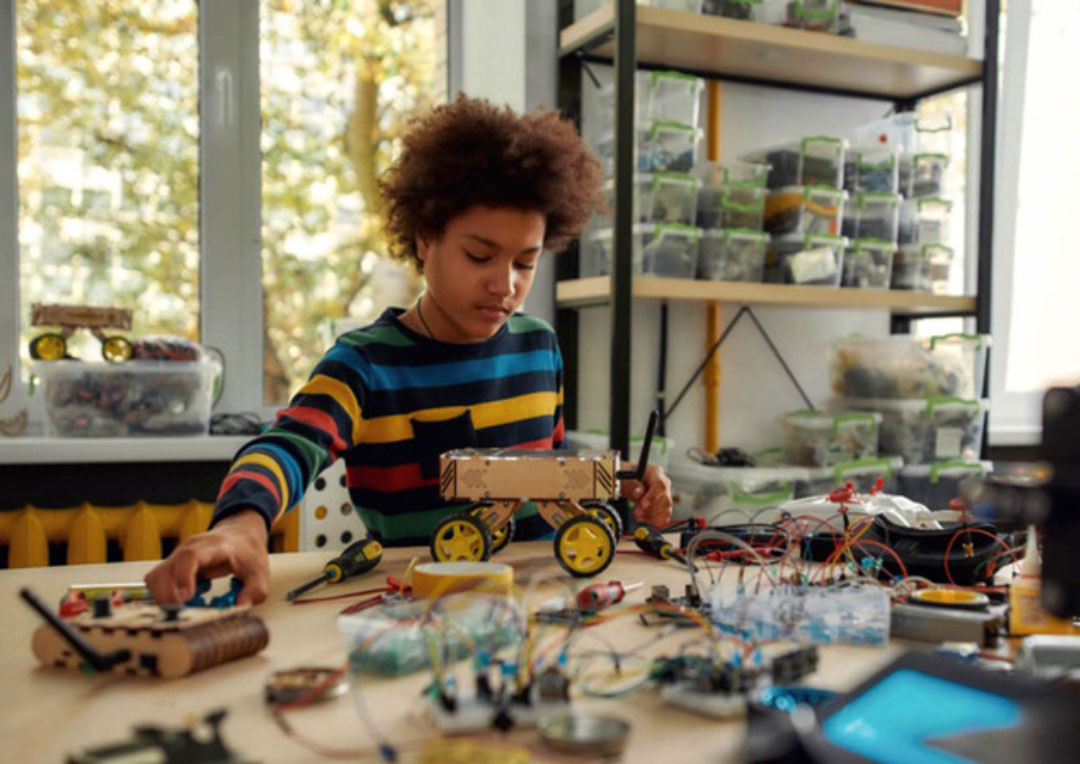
column 47, row 713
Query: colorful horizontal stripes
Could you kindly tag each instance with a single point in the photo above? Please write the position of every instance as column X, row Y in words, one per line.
column 360, row 404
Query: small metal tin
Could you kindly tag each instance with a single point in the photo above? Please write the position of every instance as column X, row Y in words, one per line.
column 291, row 685
column 585, row 734
column 952, row 598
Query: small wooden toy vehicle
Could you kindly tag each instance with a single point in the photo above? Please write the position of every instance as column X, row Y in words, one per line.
column 144, row 639
column 573, row 491
column 52, row 346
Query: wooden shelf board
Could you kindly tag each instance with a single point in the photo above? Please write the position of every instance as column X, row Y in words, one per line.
column 706, row 43
column 596, row 291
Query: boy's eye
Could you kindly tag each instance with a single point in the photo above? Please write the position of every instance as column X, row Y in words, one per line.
column 476, row 258
column 525, row 266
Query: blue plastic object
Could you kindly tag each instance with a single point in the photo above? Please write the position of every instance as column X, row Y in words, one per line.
column 202, row 586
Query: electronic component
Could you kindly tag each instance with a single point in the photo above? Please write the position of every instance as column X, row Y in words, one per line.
column 928, row 623
column 201, row 744
column 599, row 596
column 357, row 558
column 585, row 734
column 1050, row 657
column 141, row 639
column 496, row 705
column 291, row 685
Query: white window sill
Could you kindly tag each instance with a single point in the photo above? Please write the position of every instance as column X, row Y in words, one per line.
column 196, row 448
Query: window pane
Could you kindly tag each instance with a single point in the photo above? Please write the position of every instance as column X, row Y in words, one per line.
column 108, row 152
column 338, row 82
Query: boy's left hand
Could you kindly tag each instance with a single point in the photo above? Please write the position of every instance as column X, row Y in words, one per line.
column 651, row 496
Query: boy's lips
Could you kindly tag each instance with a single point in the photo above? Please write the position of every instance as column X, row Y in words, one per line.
column 493, row 311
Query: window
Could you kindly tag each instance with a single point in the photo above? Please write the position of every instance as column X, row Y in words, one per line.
column 117, row 103
column 108, row 109
column 337, row 83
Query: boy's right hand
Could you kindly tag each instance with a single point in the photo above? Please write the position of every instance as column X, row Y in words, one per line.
column 236, row 545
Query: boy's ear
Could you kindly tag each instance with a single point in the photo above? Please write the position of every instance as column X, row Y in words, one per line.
column 423, row 247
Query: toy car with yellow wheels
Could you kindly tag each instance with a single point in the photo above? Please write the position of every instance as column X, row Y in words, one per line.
column 52, row 346
column 572, row 490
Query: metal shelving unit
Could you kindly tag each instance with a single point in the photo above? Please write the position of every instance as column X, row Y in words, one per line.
column 629, row 37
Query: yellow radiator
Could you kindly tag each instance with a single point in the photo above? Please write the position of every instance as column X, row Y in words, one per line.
column 138, row 529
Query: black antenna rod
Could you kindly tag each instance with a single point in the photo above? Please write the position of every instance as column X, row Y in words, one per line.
column 85, row 649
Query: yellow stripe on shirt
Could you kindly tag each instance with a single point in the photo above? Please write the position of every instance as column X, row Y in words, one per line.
column 264, row 460
column 389, row 429
column 320, row 384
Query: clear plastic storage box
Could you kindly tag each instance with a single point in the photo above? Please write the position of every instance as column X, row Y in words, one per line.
column 911, row 133
column 925, row 431
column 729, row 495
column 935, row 485
column 805, row 259
column 923, row 175
column 129, row 399
column 805, row 209
column 583, row 8
column 863, row 474
column 873, row 168
column 813, row 161
column 659, row 249
column 922, row 268
column 731, row 207
column 908, row 367
column 814, row 15
column 871, row 215
column 924, row 221
column 731, row 254
column 744, row 10
column 868, row 264
column 669, row 147
column 817, row 439
column 660, row 197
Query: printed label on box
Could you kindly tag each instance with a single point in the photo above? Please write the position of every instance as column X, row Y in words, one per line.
column 813, row 265
column 949, row 442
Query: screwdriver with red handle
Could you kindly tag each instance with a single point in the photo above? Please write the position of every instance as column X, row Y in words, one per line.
column 599, row 596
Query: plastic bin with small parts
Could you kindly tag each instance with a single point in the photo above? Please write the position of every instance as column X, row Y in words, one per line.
column 816, row 160
column 660, row 197
column 687, row 6
column 744, row 10
column 910, row 132
column 904, row 367
column 669, row 147
column 868, row 264
column 871, row 215
column 814, row 15
column 805, row 259
column 923, row 175
column 922, row 268
column 731, row 254
column 731, row 207
column 935, row 485
column 673, row 96
column 658, row 249
column 805, row 209
column 818, row 439
column 924, row 221
column 729, row 495
column 968, row 352
column 873, row 168
column 863, row 474
column 924, row 431
column 137, row 398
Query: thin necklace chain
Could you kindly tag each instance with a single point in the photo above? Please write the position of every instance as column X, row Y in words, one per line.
column 420, row 313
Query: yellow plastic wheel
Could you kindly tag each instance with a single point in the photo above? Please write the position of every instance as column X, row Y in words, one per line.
column 584, row 546
column 48, row 347
column 608, row 515
column 116, row 349
column 460, row 537
column 499, row 538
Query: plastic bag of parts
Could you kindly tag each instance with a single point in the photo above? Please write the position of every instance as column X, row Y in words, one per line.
column 856, row 614
column 906, row 367
column 815, row 439
column 399, row 638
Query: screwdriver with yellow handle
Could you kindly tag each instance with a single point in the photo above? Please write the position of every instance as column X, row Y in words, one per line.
column 357, row 558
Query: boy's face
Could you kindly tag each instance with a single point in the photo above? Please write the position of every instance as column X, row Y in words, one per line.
column 479, row 271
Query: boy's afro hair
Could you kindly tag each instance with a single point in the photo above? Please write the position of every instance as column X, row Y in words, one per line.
column 471, row 152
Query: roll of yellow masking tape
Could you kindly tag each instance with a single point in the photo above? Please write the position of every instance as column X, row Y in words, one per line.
column 434, row 579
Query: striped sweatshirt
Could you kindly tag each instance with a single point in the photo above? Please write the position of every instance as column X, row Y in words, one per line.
column 389, row 401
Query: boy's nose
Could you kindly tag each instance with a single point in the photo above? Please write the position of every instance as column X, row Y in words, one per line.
column 501, row 282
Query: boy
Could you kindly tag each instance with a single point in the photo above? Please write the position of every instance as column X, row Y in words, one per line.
column 475, row 197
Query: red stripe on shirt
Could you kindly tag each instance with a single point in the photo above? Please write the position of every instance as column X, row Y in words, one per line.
column 560, row 431
column 402, row 477
column 258, row 477
column 542, row 443
column 318, row 419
